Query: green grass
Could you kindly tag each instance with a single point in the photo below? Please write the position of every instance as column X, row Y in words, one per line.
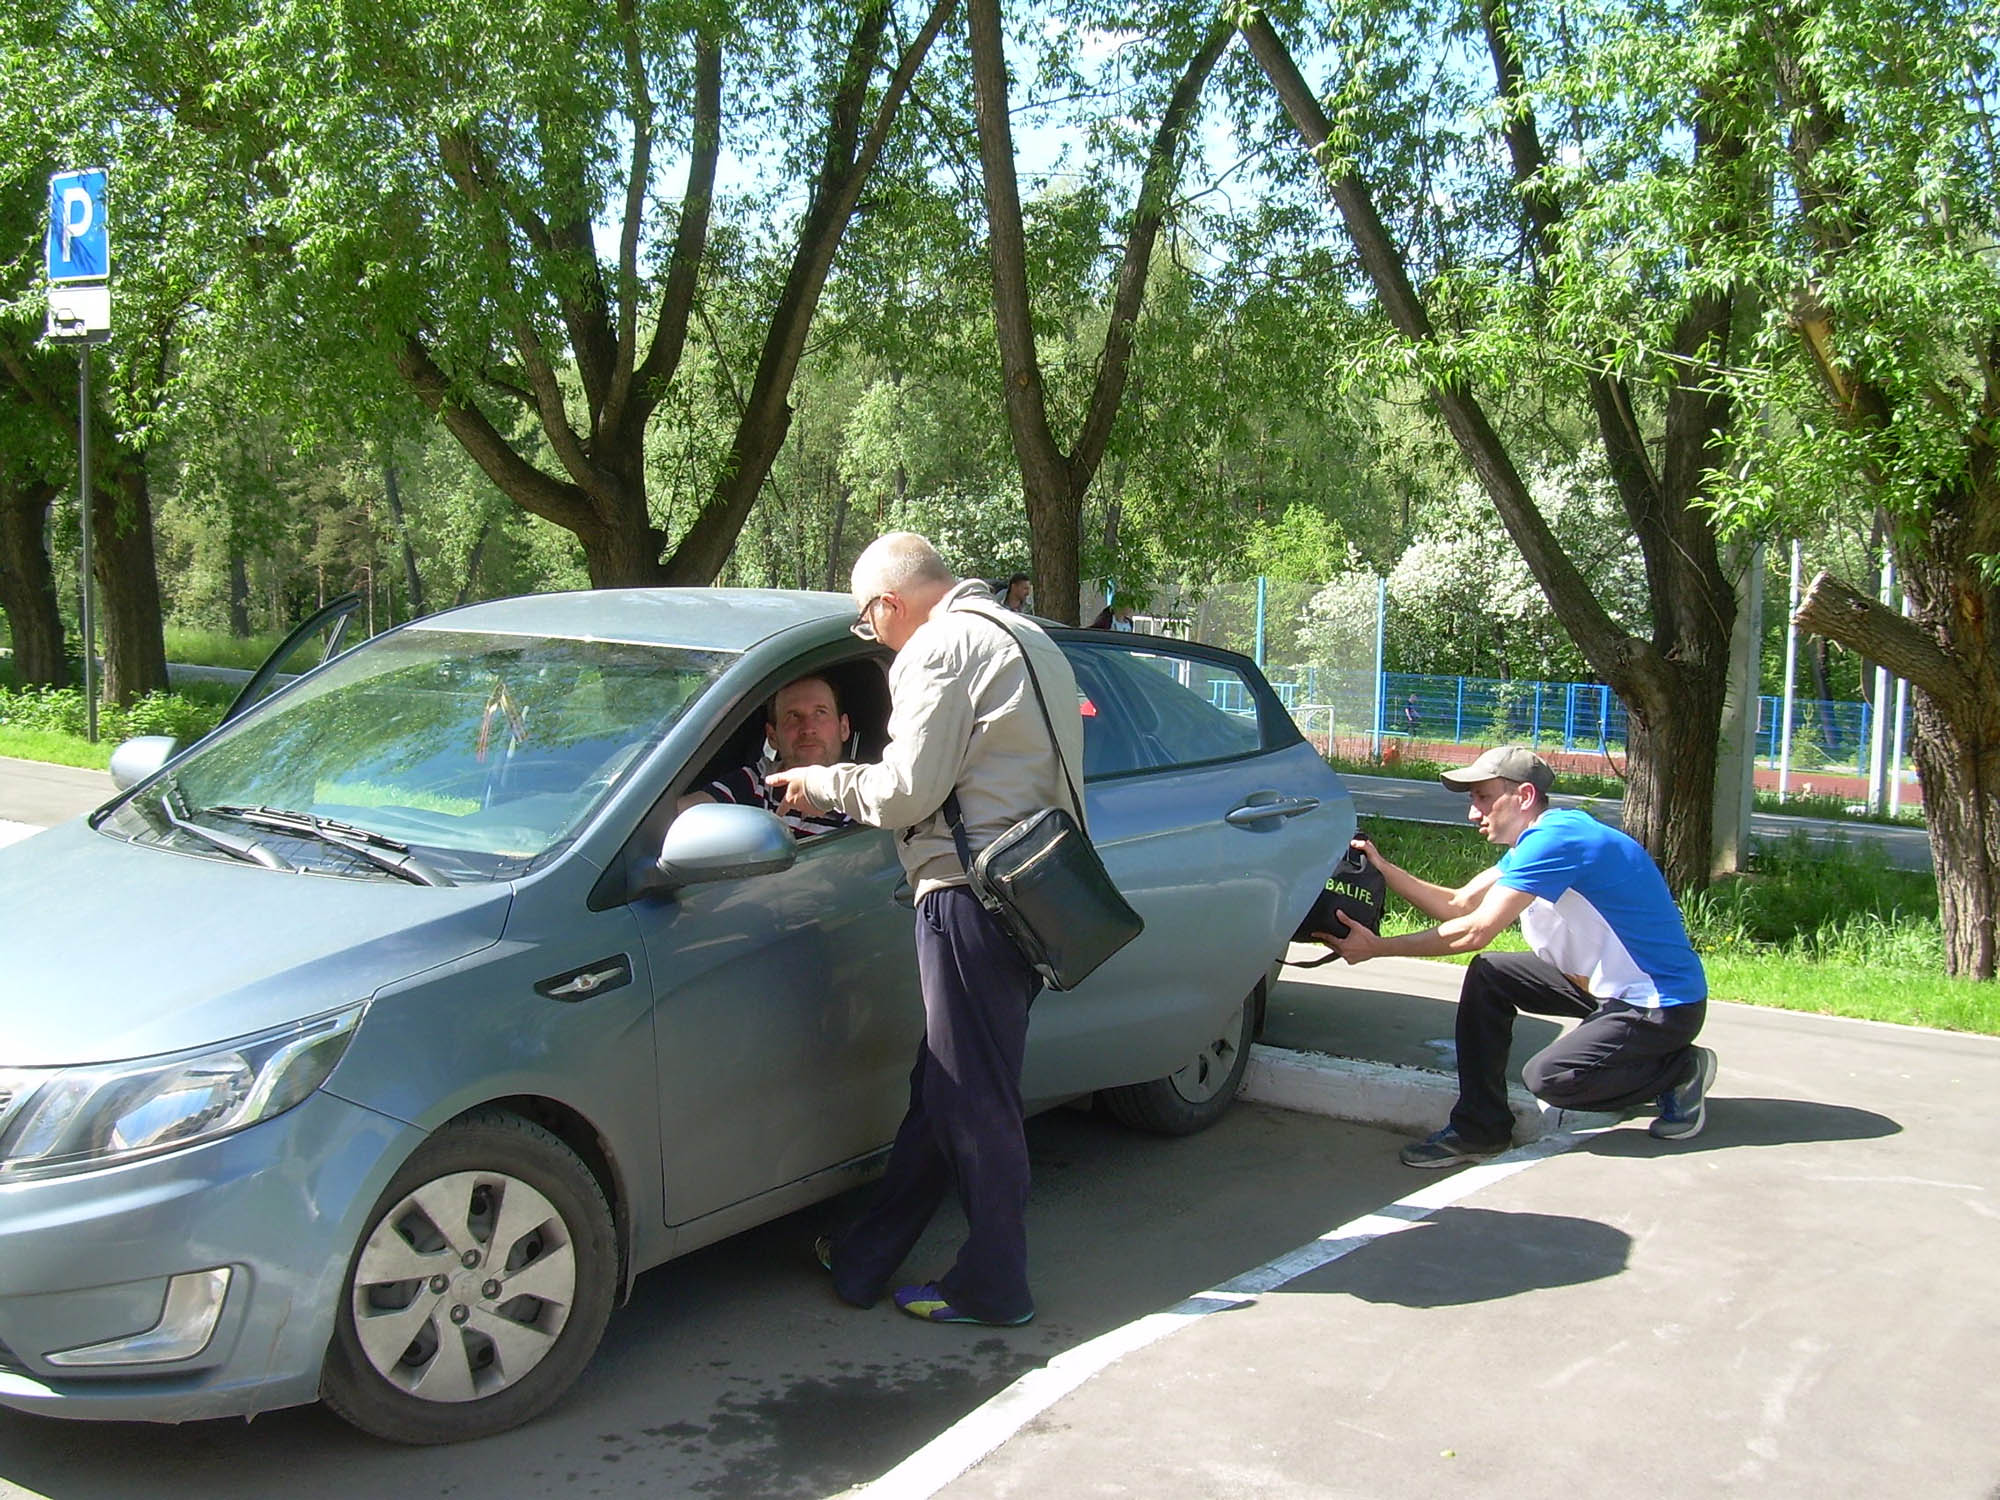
column 1808, row 928
column 1823, row 805
column 56, row 747
column 217, row 648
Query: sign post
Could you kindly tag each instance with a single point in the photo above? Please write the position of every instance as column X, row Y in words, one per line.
column 79, row 274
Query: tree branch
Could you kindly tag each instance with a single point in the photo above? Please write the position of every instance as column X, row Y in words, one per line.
column 641, row 113
column 1044, row 469
column 663, row 355
column 1155, row 187
column 462, row 161
column 565, row 505
column 844, row 170
column 1832, row 609
column 1609, row 649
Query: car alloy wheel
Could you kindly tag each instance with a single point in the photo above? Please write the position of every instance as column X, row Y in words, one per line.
column 479, row 1289
column 1195, row 1096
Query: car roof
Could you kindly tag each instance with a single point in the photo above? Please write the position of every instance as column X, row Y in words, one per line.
column 703, row 619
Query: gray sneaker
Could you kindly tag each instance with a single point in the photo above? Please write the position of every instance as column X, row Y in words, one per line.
column 1446, row 1148
column 1684, row 1110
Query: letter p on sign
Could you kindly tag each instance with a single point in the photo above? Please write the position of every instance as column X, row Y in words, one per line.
column 79, row 242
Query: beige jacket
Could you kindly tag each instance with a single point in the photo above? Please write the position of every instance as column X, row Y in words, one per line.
column 962, row 714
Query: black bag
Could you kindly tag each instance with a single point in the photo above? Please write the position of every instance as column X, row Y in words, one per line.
column 1355, row 892
column 1043, row 881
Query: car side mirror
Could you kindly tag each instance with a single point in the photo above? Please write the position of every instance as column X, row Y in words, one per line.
column 136, row 759
column 720, row 841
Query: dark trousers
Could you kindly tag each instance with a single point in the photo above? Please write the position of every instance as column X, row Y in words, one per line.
column 1618, row 1055
column 963, row 1129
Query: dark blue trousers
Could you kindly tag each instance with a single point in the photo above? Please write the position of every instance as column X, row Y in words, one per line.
column 963, row 1129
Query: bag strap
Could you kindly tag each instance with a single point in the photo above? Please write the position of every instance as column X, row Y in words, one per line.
column 952, row 811
column 1055, row 742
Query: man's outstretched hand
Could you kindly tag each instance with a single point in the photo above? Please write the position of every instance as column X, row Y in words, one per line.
column 795, row 798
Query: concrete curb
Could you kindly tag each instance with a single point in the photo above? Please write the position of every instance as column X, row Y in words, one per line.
column 1415, row 1101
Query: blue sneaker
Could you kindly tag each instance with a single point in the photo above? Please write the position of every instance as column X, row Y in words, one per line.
column 1683, row 1111
column 928, row 1303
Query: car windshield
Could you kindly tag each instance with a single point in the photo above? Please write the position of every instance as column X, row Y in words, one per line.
column 481, row 753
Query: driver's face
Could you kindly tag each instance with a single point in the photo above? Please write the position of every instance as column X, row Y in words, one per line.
column 806, row 726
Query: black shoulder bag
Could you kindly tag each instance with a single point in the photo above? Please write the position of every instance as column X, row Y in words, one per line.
column 1355, row 892
column 1043, row 880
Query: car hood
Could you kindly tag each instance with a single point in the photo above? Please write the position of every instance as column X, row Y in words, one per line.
column 110, row 950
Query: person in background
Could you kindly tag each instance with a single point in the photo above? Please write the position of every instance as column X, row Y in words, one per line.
column 1016, row 593
column 963, row 718
column 1609, row 949
column 1110, row 618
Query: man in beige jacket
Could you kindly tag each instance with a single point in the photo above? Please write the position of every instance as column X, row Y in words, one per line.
column 963, row 718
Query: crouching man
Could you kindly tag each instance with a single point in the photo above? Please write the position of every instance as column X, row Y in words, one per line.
column 1609, row 948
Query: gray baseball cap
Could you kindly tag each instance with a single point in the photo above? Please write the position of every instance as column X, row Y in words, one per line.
column 1509, row 763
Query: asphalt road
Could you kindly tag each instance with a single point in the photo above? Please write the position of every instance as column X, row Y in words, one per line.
column 1428, row 802
column 736, row 1372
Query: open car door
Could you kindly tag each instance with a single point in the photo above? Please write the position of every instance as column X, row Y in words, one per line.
column 329, row 620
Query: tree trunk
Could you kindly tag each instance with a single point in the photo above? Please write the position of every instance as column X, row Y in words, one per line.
column 843, row 500
column 28, row 584
column 412, row 579
column 1054, row 483
column 128, row 586
column 622, row 551
column 1946, row 650
column 472, row 560
column 1671, row 743
column 239, row 592
column 1674, row 684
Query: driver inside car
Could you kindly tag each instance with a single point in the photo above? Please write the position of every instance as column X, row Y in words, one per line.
column 805, row 726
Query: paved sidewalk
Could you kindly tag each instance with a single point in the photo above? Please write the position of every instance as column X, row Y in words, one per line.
column 34, row 794
column 1802, row 1301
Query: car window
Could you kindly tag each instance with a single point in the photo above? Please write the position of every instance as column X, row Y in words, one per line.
column 482, row 751
column 1146, row 709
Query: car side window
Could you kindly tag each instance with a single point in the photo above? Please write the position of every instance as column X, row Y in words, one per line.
column 1148, row 709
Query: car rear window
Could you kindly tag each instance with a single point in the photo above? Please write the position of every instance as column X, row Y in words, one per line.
column 1147, row 709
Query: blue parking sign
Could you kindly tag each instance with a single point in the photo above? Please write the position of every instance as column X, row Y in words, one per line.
column 79, row 240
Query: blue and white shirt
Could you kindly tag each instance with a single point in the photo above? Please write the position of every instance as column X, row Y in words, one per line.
column 1603, row 913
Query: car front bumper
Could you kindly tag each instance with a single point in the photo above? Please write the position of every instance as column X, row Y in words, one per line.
column 115, row 1272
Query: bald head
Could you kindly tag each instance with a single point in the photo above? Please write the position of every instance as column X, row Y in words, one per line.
column 900, row 562
column 898, row 580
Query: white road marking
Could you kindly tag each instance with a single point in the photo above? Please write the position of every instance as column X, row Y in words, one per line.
column 13, row 833
column 984, row 1429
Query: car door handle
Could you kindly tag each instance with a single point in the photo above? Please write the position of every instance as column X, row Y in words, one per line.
column 1259, row 812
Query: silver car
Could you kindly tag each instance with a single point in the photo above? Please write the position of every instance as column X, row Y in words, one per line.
column 366, row 1050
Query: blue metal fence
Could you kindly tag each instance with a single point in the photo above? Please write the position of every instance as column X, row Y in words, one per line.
column 1572, row 715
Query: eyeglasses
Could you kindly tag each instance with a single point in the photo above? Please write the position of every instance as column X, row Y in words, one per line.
column 864, row 622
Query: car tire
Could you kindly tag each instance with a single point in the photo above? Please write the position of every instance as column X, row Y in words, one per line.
column 1196, row 1096
column 430, row 1345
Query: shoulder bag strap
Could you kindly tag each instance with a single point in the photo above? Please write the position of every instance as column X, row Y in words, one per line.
column 1055, row 743
column 952, row 812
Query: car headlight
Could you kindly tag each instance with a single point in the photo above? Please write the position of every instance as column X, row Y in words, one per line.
column 58, row 1120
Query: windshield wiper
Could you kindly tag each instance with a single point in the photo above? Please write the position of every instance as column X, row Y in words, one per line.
column 364, row 843
column 244, row 849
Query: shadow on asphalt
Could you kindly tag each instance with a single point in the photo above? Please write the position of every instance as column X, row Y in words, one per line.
column 1755, row 1122
column 1464, row 1255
